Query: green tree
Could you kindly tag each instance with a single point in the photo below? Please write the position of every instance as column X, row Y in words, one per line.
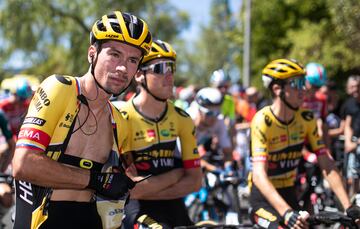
column 53, row 34
column 215, row 47
column 320, row 31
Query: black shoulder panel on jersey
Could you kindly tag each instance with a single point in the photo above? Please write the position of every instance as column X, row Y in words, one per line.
column 181, row 112
column 63, row 79
column 124, row 114
column 268, row 121
column 307, row 115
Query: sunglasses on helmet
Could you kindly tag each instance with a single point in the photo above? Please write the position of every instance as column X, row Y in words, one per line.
column 297, row 83
column 209, row 112
column 161, row 68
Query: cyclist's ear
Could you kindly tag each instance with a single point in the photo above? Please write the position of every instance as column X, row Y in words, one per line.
column 91, row 53
column 139, row 76
column 277, row 89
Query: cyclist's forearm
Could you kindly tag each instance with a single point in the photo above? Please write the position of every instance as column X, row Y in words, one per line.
column 36, row 168
column 333, row 177
column 155, row 184
column 190, row 182
column 268, row 190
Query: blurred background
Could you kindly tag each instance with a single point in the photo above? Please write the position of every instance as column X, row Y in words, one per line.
column 43, row 37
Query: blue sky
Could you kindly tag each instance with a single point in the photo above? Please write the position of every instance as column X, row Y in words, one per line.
column 199, row 12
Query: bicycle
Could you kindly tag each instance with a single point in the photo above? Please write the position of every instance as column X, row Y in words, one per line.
column 324, row 218
column 218, row 200
column 337, row 219
column 5, row 210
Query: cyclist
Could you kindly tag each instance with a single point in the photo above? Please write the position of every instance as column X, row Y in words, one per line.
column 7, row 143
column 7, row 147
column 278, row 133
column 314, row 100
column 221, row 80
column 352, row 149
column 211, row 133
column 15, row 106
column 155, row 124
column 71, row 129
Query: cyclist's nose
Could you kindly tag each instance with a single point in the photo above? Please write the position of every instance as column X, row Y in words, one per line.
column 121, row 67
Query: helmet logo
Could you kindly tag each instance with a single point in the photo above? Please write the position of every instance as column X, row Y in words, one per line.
column 111, row 36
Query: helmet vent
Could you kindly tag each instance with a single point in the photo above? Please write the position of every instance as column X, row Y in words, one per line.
column 131, row 21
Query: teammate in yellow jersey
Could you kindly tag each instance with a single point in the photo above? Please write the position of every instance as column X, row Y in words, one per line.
column 154, row 126
column 278, row 133
column 71, row 129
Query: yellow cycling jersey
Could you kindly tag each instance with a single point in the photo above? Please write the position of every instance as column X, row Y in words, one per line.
column 47, row 128
column 279, row 144
column 152, row 144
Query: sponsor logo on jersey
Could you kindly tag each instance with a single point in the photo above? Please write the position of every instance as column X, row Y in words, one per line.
column 25, row 191
column 124, row 114
column 283, row 138
column 194, row 163
column 142, row 166
column 260, row 135
column 165, row 133
column 267, row 216
column 139, row 135
column 151, row 133
column 64, row 125
column 69, row 117
column 294, row 136
column 34, row 120
column 34, row 135
column 172, row 128
column 40, row 99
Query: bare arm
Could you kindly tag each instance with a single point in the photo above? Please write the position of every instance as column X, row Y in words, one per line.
column 35, row 167
column 348, row 133
column 337, row 131
column 267, row 189
column 331, row 174
column 156, row 183
column 190, row 182
column 6, row 154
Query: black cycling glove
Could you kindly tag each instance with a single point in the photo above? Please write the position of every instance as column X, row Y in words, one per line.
column 353, row 212
column 111, row 185
column 290, row 217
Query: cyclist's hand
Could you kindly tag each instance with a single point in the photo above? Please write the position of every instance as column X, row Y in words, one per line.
column 354, row 213
column 111, row 185
column 293, row 219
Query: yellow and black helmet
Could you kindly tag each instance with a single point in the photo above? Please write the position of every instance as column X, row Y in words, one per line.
column 123, row 27
column 160, row 49
column 281, row 69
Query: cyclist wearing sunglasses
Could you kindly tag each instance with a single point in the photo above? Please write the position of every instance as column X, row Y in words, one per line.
column 278, row 134
column 155, row 126
column 210, row 128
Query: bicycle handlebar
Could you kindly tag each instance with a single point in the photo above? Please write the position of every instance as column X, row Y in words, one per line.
column 329, row 218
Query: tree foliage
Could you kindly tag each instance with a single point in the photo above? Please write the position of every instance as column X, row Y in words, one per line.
column 215, row 47
column 324, row 31
column 54, row 34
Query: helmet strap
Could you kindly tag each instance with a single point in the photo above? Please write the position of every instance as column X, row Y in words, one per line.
column 93, row 63
column 144, row 85
column 283, row 99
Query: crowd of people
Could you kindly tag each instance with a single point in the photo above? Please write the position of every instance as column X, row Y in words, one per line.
column 130, row 162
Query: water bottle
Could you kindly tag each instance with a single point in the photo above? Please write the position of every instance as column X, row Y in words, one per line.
column 111, row 211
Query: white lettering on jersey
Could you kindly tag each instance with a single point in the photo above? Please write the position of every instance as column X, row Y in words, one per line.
column 26, row 193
